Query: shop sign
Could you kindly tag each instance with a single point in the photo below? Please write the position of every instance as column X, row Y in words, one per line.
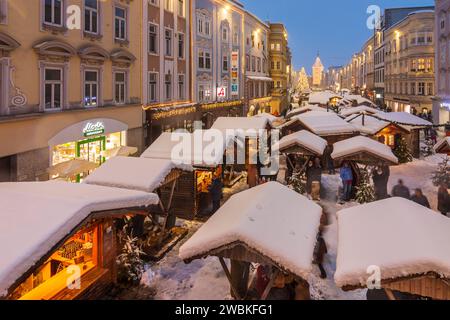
column 234, row 89
column 235, row 73
column 93, row 129
column 221, row 92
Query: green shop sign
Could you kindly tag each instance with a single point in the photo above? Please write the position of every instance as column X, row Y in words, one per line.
column 94, row 129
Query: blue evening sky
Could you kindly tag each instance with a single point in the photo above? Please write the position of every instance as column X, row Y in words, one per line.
column 335, row 28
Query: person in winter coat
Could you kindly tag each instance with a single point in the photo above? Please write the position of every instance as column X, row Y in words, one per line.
column 419, row 198
column 443, row 200
column 380, row 178
column 347, row 181
column 400, row 190
column 313, row 173
column 328, row 161
column 216, row 191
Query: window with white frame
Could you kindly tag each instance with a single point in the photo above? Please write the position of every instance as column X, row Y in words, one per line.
column 53, row 12
column 120, row 87
column 203, row 26
column 421, row 89
column 53, row 88
column 181, row 10
column 91, row 16
column 168, row 86
column 253, row 64
column 204, row 92
column 153, row 87
column 224, row 34
column 120, row 23
column 259, row 64
column 91, row 86
column 204, row 59
column 153, row 38
column 168, row 43
column 180, row 46
column 225, row 63
column 181, row 87
column 168, row 5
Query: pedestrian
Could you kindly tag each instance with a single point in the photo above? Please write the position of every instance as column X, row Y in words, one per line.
column 347, row 181
column 216, row 191
column 380, row 178
column 309, row 175
column 400, row 190
column 443, row 200
column 329, row 160
column 419, row 198
column 433, row 136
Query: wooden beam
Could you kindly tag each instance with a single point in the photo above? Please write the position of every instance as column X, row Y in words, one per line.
column 228, row 274
column 270, row 285
column 390, row 294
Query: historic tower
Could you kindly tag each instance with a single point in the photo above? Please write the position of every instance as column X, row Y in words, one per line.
column 317, row 71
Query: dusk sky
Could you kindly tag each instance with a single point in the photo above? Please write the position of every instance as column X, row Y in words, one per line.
column 335, row 28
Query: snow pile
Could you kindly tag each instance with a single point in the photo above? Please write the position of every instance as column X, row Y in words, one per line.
column 403, row 118
column 325, row 123
column 362, row 144
column 443, row 144
column 399, row 236
column 304, row 139
column 271, row 219
column 367, row 124
column 139, row 174
column 201, row 148
column 322, row 97
column 357, row 110
column 241, row 123
column 37, row 215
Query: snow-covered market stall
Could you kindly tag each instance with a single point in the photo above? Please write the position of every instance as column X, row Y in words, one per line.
column 158, row 176
column 443, row 146
column 395, row 245
column 269, row 227
column 58, row 240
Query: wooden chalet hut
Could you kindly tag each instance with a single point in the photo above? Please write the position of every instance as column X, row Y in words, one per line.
column 347, row 112
column 405, row 244
column 324, row 98
column 301, row 110
column 270, row 225
column 443, row 146
column 56, row 232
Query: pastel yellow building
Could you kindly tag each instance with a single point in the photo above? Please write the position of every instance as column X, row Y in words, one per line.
column 279, row 67
column 70, row 82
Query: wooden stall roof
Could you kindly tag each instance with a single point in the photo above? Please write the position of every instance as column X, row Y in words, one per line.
column 407, row 241
column 246, row 227
column 443, row 146
column 42, row 214
column 324, row 124
column 303, row 142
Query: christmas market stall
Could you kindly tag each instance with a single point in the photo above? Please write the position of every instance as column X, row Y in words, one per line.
column 357, row 110
column 327, row 125
column 324, row 98
column 59, row 239
column 394, row 245
column 443, row 146
column 301, row 110
column 157, row 231
column 270, row 228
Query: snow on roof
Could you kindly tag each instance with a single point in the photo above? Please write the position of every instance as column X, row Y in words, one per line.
column 360, row 109
column 403, row 118
column 397, row 235
column 269, row 117
column 359, row 99
column 139, row 174
column 322, row 97
column 240, row 123
column 304, row 139
column 189, row 149
column 37, row 215
column 300, row 110
column 325, row 123
column 442, row 143
column 371, row 125
column 362, row 144
column 271, row 219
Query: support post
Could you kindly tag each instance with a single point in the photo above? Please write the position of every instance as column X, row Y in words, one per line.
column 228, row 274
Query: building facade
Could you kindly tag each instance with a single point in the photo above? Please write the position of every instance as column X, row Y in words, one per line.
column 258, row 84
column 441, row 102
column 71, row 83
column 279, row 67
column 409, row 63
column 317, row 73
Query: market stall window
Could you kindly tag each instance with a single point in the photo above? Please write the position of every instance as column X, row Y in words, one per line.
column 78, row 255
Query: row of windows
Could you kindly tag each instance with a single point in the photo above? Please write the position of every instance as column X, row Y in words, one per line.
column 169, row 6
column 54, row 13
column 168, row 87
column 404, row 42
column 54, row 87
column 153, row 42
column 415, row 65
column 411, row 88
column 255, row 64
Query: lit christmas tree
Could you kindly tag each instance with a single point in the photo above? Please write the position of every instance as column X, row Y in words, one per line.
column 303, row 82
column 365, row 192
column 296, row 184
column 402, row 152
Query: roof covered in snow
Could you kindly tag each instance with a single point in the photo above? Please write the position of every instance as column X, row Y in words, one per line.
column 190, row 149
column 360, row 100
column 241, row 123
column 37, row 215
column 359, row 144
column 403, row 118
column 139, row 174
column 300, row 110
column 269, row 117
column 366, row 124
column 399, row 236
column 322, row 97
column 304, row 139
column 443, row 145
column 356, row 110
column 325, row 123
column 271, row 219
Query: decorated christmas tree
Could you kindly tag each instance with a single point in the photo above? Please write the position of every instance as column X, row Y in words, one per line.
column 295, row 182
column 442, row 174
column 401, row 151
column 365, row 192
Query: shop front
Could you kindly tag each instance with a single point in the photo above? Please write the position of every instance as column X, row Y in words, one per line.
column 258, row 106
column 88, row 140
column 211, row 111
